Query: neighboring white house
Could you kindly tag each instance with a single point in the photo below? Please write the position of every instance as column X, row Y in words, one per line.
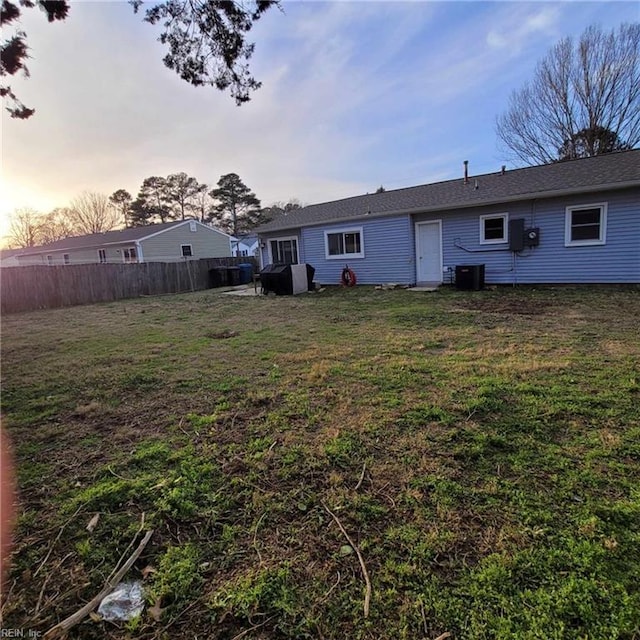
column 245, row 246
column 168, row 242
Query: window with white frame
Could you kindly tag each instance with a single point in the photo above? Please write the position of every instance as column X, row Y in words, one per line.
column 66, row 258
column 585, row 225
column 49, row 260
column 102, row 256
column 284, row 250
column 187, row 250
column 494, row 228
column 130, row 255
column 346, row 243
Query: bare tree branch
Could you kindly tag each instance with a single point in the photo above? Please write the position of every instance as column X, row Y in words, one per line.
column 584, row 99
column 92, row 213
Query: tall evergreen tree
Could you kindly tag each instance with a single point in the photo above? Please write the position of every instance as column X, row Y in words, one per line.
column 153, row 202
column 121, row 201
column 591, row 141
column 238, row 209
column 140, row 213
column 181, row 193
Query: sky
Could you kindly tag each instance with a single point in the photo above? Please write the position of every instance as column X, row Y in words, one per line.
column 355, row 94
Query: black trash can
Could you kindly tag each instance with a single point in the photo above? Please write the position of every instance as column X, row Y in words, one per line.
column 470, row 277
column 218, row 277
column 233, row 273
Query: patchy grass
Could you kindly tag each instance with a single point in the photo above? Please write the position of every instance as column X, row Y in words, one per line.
column 481, row 449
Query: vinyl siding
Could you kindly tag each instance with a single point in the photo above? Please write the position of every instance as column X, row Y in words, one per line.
column 77, row 256
column 617, row 261
column 166, row 246
column 388, row 252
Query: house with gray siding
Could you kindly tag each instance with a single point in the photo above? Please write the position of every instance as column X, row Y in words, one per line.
column 570, row 222
column 168, row 242
column 8, row 257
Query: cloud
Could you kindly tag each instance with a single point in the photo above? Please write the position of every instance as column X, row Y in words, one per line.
column 354, row 94
column 523, row 24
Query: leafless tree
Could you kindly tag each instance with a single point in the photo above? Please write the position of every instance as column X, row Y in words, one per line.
column 578, row 95
column 25, row 228
column 203, row 204
column 93, row 213
column 56, row 225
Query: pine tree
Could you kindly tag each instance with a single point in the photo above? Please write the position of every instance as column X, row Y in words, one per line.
column 238, row 209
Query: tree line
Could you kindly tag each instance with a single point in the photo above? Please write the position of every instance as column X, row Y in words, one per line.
column 230, row 206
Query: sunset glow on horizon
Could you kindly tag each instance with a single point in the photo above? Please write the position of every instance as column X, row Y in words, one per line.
column 335, row 117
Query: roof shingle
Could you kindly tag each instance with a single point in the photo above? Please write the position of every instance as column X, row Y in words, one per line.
column 614, row 170
column 98, row 239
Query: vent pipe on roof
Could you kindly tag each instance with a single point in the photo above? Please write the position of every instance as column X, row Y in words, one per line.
column 466, row 172
column 504, row 168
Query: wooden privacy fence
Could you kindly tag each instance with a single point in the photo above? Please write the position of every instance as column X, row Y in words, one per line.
column 44, row 287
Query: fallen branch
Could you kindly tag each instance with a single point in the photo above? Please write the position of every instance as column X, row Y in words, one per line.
column 126, row 551
column 255, row 537
column 44, row 584
column 443, row 636
column 53, row 544
column 365, row 573
column 246, row 632
column 364, row 468
column 63, row 627
column 183, row 430
column 326, row 595
column 174, row 620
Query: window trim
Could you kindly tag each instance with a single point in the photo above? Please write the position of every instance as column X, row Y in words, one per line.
column 49, row 259
column 100, row 260
column 182, row 246
column 602, row 239
column 192, row 226
column 66, row 259
column 505, row 238
column 344, row 256
column 279, row 239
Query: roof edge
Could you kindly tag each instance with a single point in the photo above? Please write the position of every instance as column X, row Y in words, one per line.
column 44, row 249
column 617, row 186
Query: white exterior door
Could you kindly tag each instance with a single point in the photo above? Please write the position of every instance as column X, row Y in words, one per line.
column 429, row 252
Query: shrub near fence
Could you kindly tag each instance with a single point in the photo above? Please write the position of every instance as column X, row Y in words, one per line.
column 44, row 287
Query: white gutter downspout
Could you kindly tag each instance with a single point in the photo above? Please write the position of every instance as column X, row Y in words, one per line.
column 139, row 251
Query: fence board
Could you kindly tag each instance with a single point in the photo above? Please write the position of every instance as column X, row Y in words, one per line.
column 45, row 287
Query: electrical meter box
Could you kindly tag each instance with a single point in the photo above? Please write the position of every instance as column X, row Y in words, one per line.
column 532, row 237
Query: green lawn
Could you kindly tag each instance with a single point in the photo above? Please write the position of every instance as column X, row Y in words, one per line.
column 481, row 450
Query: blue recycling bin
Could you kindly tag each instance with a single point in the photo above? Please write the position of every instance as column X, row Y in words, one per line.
column 246, row 273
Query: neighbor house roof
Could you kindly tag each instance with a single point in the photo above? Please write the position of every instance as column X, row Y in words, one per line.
column 8, row 253
column 610, row 171
column 132, row 234
column 248, row 239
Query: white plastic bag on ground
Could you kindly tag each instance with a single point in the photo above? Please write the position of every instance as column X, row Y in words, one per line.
column 123, row 603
